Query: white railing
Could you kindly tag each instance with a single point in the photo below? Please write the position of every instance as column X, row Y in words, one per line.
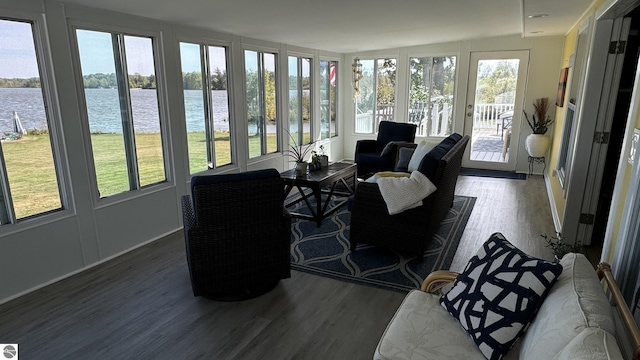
column 364, row 123
column 488, row 115
column 485, row 116
column 439, row 124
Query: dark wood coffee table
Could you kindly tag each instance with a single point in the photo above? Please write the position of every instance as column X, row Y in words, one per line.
column 320, row 182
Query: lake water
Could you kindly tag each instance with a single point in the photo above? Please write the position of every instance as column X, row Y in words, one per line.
column 104, row 110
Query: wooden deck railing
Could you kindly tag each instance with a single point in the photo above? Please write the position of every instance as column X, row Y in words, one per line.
column 434, row 122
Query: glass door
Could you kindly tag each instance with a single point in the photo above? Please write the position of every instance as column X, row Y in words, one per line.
column 494, row 108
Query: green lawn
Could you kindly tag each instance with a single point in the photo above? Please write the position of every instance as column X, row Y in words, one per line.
column 32, row 178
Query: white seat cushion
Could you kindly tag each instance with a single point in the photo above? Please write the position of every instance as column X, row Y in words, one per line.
column 423, row 329
column 575, row 302
column 591, row 344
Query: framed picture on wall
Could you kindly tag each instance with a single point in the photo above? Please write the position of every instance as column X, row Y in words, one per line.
column 562, row 86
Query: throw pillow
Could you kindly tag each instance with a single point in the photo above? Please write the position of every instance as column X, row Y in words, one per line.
column 404, row 156
column 498, row 294
column 388, row 149
column 373, row 179
column 421, row 150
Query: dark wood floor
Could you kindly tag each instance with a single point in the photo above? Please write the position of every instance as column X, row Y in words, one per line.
column 140, row 305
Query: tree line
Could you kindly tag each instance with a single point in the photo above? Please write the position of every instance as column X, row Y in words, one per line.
column 190, row 81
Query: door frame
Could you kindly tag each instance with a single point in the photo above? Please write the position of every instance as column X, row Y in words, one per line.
column 523, row 70
column 583, row 183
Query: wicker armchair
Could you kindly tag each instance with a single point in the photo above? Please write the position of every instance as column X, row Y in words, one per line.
column 237, row 234
column 410, row 230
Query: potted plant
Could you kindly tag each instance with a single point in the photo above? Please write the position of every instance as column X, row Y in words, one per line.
column 537, row 143
column 559, row 247
column 297, row 154
column 319, row 159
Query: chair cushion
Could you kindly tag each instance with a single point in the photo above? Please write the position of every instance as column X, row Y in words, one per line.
column 422, row 329
column 498, row 294
column 574, row 303
column 392, row 131
column 404, row 156
column 423, row 148
column 429, row 163
column 591, row 344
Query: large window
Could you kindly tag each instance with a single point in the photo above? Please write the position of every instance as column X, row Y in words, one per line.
column 206, row 105
column 261, row 97
column 431, row 92
column 328, row 98
column 28, row 176
column 300, row 114
column 121, row 98
column 377, row 94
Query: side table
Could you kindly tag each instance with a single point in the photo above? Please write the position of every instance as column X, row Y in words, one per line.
column 536, row 160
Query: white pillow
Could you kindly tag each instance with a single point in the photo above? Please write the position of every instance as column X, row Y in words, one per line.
column 421, row 150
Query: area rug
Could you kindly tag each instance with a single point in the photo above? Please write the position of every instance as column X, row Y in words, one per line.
column 324, row 250
column 493, row 173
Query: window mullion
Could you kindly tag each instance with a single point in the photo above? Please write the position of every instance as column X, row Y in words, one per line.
column 125, row 110
column 208, row 109
column 262, row 126
column 300, row 103
column 7, row 215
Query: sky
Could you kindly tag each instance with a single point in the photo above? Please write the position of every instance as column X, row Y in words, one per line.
column 18, row 57
column 17, row 51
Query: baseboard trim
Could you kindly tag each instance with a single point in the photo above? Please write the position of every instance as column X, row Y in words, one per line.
column 552, row 204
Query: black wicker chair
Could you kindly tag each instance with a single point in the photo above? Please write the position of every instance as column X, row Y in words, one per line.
column 371, row 155
column 237, row 234
column 410, row 230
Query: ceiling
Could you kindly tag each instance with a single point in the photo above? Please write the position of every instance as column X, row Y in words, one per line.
column 346, row 26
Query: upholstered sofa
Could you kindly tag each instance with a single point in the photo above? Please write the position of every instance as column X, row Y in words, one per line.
column 574, row 321
column 410, row 230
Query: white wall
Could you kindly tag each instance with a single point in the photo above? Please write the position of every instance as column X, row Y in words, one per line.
column 544, row 68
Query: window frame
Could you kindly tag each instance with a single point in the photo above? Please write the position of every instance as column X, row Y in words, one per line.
column 278, row 101
column 452, row 108
column 300, row 96
column 337, row 63
column 207, row 100
column 53, row 117
column 375, row 122
column 572, row 111
column 156, row 37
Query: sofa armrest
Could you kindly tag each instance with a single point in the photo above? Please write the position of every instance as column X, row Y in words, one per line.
column 604, row 271
column 436, row 280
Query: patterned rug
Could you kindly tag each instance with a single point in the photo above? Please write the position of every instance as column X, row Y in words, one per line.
column 324, row 250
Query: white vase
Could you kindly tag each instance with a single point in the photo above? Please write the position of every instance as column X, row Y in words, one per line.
column 537, row 145
column 301, row 168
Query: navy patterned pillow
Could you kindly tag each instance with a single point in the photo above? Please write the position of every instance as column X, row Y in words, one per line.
column 498, row 294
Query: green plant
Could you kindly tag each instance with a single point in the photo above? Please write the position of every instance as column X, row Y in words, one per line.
column 297, row 152
column 559, row 247
column 541, row 120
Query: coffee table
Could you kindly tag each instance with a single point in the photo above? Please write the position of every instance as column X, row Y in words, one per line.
column 320, row 182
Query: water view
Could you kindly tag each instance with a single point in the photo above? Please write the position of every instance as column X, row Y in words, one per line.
column 104, row 109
